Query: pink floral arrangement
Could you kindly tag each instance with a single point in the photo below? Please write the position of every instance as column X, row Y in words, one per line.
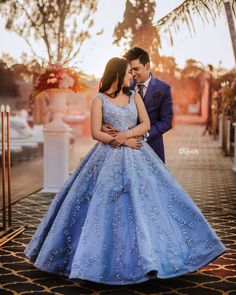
column 56, row 76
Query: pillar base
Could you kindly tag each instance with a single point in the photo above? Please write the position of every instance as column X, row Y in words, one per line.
column 56, row 155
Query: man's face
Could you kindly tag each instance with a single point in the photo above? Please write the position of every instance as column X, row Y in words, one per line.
column 139, row 72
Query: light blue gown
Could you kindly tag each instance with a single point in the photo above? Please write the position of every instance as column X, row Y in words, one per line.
column 120, row 215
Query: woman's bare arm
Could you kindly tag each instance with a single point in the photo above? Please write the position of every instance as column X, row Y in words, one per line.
column 96, row 122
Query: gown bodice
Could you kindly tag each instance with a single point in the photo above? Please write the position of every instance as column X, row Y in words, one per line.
column 120, row 117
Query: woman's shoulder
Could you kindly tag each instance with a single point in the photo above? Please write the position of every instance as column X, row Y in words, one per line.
column 99, row 95
column 98, row 98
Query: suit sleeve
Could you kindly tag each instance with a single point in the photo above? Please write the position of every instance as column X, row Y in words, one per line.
column 166, row 115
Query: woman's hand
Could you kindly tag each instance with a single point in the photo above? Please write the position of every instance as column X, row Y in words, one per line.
column 134, row 142
column 109, row 130
column 119, row 139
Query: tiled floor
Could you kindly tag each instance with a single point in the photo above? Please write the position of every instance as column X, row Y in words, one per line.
column 23, row 184
column 208, row 178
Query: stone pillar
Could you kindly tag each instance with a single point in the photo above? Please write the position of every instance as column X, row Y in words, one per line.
column 234, row 167
column 56, row 154
column 228, row 136
column 205, row 97
column 220, row 126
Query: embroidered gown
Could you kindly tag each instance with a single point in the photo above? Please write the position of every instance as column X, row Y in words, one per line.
column 120, row 215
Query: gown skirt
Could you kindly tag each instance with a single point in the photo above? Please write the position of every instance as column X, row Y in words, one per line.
column 120, row 215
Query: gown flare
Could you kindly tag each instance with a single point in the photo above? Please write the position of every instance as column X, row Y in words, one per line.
column 120, row 215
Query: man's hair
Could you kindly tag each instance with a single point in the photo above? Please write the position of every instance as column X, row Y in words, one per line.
column 137, row 53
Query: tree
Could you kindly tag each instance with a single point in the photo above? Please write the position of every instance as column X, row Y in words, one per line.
column 192, row 69
column 24, row 70
column 207, row 10
column 137, row 29
column 8, row 86
column 62, row 25
column 167, row 64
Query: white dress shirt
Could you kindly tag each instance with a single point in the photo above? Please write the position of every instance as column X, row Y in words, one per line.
column 146, row 83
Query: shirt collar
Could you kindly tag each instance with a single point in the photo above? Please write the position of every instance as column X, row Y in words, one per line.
column 146, row 83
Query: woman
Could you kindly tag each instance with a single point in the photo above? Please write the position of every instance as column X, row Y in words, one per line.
column 121, row 217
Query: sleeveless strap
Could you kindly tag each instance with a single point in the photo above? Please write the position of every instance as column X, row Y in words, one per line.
column 101, row 97
column 132, row 95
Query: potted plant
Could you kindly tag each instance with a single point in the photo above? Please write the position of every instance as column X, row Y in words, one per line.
column 228, row 94
column 56, row 82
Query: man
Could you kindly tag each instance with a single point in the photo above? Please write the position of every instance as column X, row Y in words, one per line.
column 157, row 99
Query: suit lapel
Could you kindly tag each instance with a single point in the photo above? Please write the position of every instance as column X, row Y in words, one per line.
column 151, row 90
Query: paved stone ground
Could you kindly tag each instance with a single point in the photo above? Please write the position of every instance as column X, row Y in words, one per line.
column 207, row 176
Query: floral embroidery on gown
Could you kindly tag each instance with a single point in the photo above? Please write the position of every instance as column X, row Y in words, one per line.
column 120, row 215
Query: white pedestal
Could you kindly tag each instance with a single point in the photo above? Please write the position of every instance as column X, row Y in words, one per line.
column 56, row 155
column 234, row 167
column 76, row 124
column 220, row 138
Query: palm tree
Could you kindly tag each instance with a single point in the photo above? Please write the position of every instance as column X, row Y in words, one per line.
column 137, row 28
column 185, row 13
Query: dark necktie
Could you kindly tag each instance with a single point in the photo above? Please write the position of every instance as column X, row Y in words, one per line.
column 140, row 89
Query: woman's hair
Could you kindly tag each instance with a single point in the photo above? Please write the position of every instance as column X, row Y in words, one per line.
column 115, row 69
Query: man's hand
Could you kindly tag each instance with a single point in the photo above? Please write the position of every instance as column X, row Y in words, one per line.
column 134, row 142
column 119, row 139
column 109, row 130
column 138, row 137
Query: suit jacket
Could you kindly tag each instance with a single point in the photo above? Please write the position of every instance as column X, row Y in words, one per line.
column 158, row 102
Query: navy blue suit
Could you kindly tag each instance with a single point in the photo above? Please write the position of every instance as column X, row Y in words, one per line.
column 158, row 102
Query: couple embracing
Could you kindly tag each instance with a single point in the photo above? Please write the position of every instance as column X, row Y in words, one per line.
column 156, row 96
column 121, row 217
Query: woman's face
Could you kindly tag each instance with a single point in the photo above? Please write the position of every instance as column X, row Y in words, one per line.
column 127, row 77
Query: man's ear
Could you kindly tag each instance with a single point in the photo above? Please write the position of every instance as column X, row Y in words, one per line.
column 147, row 66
